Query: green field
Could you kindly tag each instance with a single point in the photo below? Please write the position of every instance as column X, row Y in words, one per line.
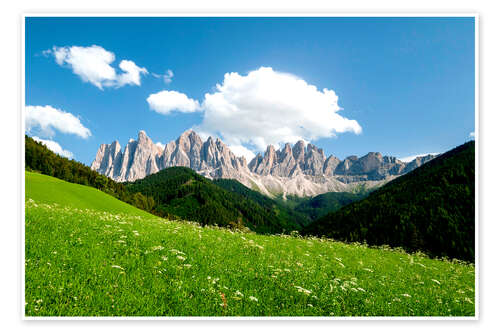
column 88, row 254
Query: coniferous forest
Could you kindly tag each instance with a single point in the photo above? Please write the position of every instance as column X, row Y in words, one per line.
column 430, row 209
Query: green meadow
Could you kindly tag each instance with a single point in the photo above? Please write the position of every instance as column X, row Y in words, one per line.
column 89, row 254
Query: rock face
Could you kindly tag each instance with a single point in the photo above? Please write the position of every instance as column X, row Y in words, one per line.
column 142, row 158
column 311, row 161
column 300, row 170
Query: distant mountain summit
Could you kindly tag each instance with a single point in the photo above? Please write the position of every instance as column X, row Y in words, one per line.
column 141, row 158
column 299, row 170
column 290, row 162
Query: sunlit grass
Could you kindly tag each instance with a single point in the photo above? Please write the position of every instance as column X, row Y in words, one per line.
column 89, row 262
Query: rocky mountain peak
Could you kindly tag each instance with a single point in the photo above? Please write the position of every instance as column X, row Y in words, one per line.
column 299, row 169
column 299, row 150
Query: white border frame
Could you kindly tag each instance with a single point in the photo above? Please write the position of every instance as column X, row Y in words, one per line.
column 240, row 14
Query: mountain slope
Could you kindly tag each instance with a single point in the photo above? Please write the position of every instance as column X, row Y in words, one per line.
column 429, row 209
column 183, row 192
column 281, row 211
column 94, row 262
column 50, row 190
column 299, row 170
column 39, row 158
column 325, row 203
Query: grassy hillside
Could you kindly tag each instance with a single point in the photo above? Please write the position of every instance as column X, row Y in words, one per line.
column 429, row 209
column 184, row 193
column 50, row 190
column 42, row 160
column 84, row 260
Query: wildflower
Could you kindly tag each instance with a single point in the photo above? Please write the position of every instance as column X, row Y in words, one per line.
column 436, row 281
column 187, row 265
column 224, row 301
column 302, row 290
column 116, row 266
column 253, row 299
column 181, row 258
column 405, row 295
column 238, row 293
column 368, row 270
column 467, row 299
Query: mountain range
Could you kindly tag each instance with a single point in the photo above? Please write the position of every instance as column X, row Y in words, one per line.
column 301, row 169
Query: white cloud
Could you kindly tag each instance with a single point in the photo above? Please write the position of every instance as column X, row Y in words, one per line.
column 412, row 157
column 166, row 101
column 472, row 135
column 131, row 73
column 93, row 64
column 161, row 145
column 167, row 77
column 55, row 147
column 268, row 107
column 48, row 119
column 239, row 150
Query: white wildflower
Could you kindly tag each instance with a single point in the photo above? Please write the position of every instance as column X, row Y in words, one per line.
column 253, row 299
column 303, row 290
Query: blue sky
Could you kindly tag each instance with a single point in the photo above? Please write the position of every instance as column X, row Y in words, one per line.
column 408, row 83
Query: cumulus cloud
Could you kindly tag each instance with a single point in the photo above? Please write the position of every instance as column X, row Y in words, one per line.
column 472, row 135
column 412, row 157
column 167, row 101
column 47, row 119
column 93, row 64
column 161, row 145
column 55, row 147
column 167, row 77
column 269, row 107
